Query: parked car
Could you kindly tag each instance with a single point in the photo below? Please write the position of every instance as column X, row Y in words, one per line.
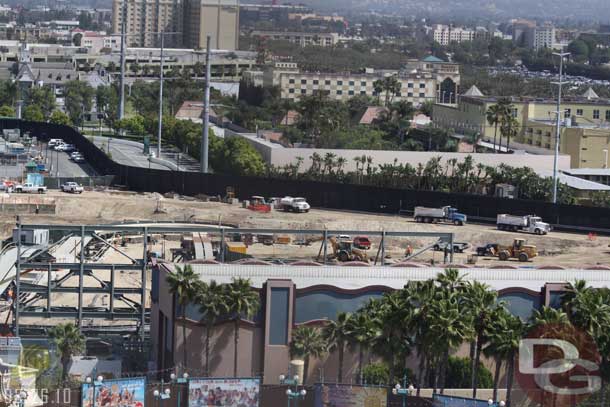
column 69, row 148
column 72, row 187
column 362, row 242
column 30, row 188
column 75, row 155
column 55, row 141
column 6, row 186
column 79, row 159
column 60, row 147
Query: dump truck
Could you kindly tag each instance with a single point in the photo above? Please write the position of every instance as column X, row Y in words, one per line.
column 519, row 250
column 444, row 214
column 528, row 224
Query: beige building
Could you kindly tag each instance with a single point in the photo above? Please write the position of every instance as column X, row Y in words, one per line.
column 445, row 35
column 585, row 121
column 217, row 18
column 302, row 39
column 144, row 18
column 428, row 80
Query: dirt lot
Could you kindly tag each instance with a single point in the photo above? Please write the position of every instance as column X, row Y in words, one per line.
column 557, row 248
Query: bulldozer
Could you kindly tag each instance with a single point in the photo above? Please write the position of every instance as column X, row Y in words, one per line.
column 344, row 250
column 519, row 250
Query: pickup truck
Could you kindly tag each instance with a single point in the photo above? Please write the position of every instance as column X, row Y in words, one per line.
column 458, row 247
column 72, row 187
column 30, row 188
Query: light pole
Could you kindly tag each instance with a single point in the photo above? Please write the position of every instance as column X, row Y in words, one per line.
column 296, row 394
column 206, row 109
column 492, row 403
column 179, row 381
column 162, row 34
column 21, row 397
column 97, row 382
column 160, row 396
column 403, row 392
column 561, row 55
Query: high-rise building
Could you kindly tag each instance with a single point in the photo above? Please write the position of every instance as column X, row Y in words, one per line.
column 145, row 18
column 217, row 18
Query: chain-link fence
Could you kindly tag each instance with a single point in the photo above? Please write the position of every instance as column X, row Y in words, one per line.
column 87, row 182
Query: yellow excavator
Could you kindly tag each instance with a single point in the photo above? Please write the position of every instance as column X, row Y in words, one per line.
column 344, row 250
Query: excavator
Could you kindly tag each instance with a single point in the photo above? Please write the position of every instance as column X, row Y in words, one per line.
column 344, row 250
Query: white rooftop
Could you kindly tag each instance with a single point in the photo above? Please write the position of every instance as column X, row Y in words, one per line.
column 577, row 183
column 351, row 278
column 588, row 171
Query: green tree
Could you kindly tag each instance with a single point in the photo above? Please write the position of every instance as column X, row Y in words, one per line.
column 78, row 99
column 8, row 92
column 107, row 102
column 59, row 117
column 44, row 98
column 183, row 284
column 459, row 373
column 242, row 302
column 68, row 341
column 336, row 334
column 579, row 51
column 7, row 111
column 376, row 374
column 212, row 304
column 493, row 116
column 307, row 342
column 235, row 156
column 363, row 332
column 33, row 113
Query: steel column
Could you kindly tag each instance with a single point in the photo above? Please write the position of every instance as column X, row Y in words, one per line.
column 143, row 292
column 17, row 279
column 49, row 289
column 81, row 277
column 111, row 302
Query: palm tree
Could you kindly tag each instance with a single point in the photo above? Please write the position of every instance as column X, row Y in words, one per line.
column 547, row 316
column 182, row 285
column 363, row 332
column 336, row 334
column 509, row 127
column 504, row 333
column 68, row 341
column 307, row 342
column 242, row 301
column 480, row 303
column 493, row 116
column 211, row 300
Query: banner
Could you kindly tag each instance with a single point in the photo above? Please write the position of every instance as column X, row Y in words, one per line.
column 348, row 396
column 224, row 392
column 115, row 393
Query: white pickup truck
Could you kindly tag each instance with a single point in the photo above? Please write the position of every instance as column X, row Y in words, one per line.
column 72, row 187
column 30, row 188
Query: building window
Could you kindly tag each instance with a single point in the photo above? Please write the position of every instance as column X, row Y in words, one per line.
column 291, row 81
column 422, row 95
column 578, row 112
column 351, row 93
column 290, row 90
column 607, row 114
column 422, row 85
column 362, row 83
column 315, row 81
column 409, row 95
column 278, row 327
column 327, row 82
column 303, row 91
column 303, row 81
column 351, row 83
column 339, row 92
column 596, row 114
column 567, row 114
column 339, row 83
column 410, row 85
column 398, row 94
column 515, row 112
column 363, row 92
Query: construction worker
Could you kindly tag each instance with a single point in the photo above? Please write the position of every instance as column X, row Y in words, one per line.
column 408, row 251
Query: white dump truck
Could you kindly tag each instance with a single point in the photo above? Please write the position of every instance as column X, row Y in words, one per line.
column 289, row 203
column 528, row 224
column 433, row 215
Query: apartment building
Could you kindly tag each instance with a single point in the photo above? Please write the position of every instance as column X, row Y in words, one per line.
column 217, row 18
column 585, row 123
column 527, row 34
column 145, row 18
column 302, row 39
column 428, row 80
column 544, row 37
column 444, row 34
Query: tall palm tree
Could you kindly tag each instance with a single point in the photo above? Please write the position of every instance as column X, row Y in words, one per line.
column 480, row 303
column 336, row 334
column 509, row 127
column 547, row 316
column 183, row 284
column 493, row 118
column 504, row 333
column 68, row 341
column 242, row 301
column 307, row 342
column 212, row 304
column 363, row 332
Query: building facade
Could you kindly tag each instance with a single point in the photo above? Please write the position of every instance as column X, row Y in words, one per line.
column 428, row 80
column 145, row 18
column 217, row 18
column 297, row 295
column 302, row 39
column 444, row 34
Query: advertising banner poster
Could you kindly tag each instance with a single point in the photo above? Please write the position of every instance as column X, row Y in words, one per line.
column 115, row 393
column 350, row 396
column 224, row 392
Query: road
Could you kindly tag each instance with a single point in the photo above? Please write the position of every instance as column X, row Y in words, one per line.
column 59, row 165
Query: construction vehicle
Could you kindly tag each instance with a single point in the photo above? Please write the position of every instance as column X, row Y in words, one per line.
column 344, row 250
column 528, row 224
column 519, row 250
column 444, row 214
column 258, row 204
column 289, row 203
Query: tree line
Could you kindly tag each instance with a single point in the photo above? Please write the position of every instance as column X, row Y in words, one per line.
column 431, row 319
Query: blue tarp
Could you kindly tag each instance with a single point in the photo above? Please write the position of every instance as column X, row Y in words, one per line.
column 36, row 179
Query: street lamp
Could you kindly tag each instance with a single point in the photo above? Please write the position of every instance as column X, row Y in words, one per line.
column 561, row 56
column 162, row 395
column 21, row 397
column 97, row 382
column 178, row 381
column 293, row 394
column 492, row 403
column 403, row 392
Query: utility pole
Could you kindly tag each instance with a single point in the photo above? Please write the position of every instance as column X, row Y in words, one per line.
column 561, row 55
column 206, row 110
column 160, row 100
column 122, row 63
